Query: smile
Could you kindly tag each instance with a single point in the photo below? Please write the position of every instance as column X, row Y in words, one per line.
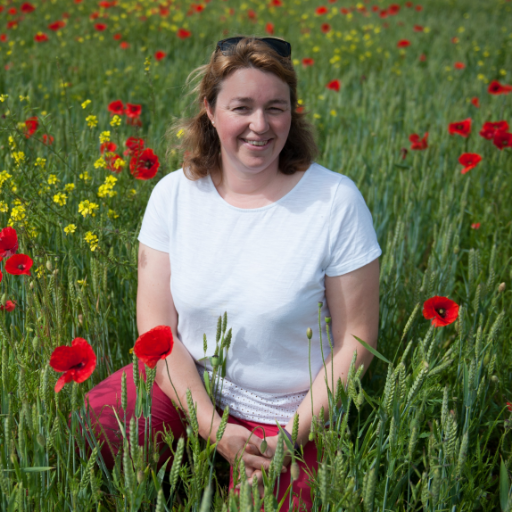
column 257, row 143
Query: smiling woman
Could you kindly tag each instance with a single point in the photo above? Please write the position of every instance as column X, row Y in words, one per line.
column 253, row 226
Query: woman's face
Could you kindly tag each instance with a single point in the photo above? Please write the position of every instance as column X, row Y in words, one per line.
column 252, row 117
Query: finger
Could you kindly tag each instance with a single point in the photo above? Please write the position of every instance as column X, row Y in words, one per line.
column 256, row 462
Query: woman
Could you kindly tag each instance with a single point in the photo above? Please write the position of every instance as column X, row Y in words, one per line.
column 253, row 227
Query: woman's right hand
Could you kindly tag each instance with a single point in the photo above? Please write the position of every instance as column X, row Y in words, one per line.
column 239, row 442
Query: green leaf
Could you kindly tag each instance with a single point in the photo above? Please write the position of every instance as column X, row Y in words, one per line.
column 504, row 485
column 371, row 349
column 37, row 469
column 285, row 438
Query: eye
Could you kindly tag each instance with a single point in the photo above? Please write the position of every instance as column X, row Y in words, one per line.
column 239, row 108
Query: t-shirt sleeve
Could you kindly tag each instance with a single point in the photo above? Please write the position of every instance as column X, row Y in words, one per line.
column 352, row 238
column 154, row 231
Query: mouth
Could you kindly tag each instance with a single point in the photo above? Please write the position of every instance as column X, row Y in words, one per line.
column 257, row 144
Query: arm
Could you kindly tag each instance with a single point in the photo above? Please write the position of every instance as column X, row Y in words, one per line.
column 353, row 301
column 155, row 306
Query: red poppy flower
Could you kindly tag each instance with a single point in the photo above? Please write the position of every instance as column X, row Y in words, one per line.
column 418, row 28
column 27, row 7
column 269, row 28
column 375, row 8
column 251, row 14
column 459, row 65
column 320, row 11
column 8, row 242
column 307, row 62
column 124, row 45
column 31, row 126
column 117, row 36
column 489, row 129
column 475, row 102
column 299, row 109
column 403, row 43
column 183, row 34
column 417, row 143
column 100, row 27
column 48, row 139
column 441, row 310
column 109, row 147
column 334, row 85
column 159, row 55
column 3, row 38
column 40, row 37
column 422, row 57
column 77, row 362
column 154, row 345
column 18, row 264
column 1, row 276
column 343, row 10
column 56, row 25
column 502, row 139
column 462, row 128
column 476, row 225
column 509, row 406
column 383, row 13
column 496, row 88
column 276, row 3
column 469, row 161
column 12, row 11
column 393, row 9
column 408, row 4
column 325, row 27
column 116, row 107
column 144, row 165
column 94, row 15
column 134, row 146
column 419, row 8
column 133, row 111
column 9, row 306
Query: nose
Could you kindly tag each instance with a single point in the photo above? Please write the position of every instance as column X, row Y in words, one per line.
column 258, row 122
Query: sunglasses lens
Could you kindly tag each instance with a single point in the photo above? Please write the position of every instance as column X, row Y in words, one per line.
column 282, row 48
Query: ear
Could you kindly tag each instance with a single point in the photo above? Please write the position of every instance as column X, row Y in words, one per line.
column 209, row 112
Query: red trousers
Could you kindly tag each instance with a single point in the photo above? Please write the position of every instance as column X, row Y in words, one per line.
column 106, row 396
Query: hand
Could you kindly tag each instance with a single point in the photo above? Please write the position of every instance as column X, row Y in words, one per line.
column 271, row 450
column 239, row 442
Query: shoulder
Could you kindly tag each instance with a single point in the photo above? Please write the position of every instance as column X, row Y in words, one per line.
column 341, row 186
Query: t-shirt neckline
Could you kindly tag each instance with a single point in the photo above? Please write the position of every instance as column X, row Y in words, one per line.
column 266, row 207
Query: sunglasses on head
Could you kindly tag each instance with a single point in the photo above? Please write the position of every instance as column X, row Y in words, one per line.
column 283, row 48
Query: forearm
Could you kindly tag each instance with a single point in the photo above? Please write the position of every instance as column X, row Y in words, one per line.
column 184, row 375
column 337, row 368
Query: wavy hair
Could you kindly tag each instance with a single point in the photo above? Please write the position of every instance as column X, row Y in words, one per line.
column 199, row 140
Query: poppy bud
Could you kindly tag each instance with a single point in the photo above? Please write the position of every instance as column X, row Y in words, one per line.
column 501, row 287
column 31, row 285
column 4, row 299
column 189, row 432
column 215, row 360
column 320, row 304
column 140, row 476
column 80, row 318
column 495, row 379
column 49, row 265
column 263, row 446
column 456, row 250
column 310, row 437
column 309, row 333
column 156, row 458
column 35, row 343
column 294, row 471
column 486, row 359
column 56, row 271
column 327, row 319
column 41, row 441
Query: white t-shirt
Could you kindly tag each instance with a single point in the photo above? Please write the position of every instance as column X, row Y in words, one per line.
column 266, row 267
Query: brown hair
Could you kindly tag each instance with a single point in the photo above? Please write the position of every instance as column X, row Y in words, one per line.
column 199, row 139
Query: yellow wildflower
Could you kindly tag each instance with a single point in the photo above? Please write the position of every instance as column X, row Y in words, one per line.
column 12, row 142
column 86, row 103
column 24, row 98
column 91, row 121
column 105, row 190
column 4, row 176
column 132, row 192
column 82, row 282
column 60, row 198
column 40, row 162
column 180, row 133
column 92, row 240
column 3, row 207
column 105, row 137
column 19, row 157
column 70, row 229
column 115, row 121
column 3, row 97
column 39, row 271
column 87, row 208
column 84, row 176
column 100, row 163
column 17, row 214
column 112, row 214
column 52, row 179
